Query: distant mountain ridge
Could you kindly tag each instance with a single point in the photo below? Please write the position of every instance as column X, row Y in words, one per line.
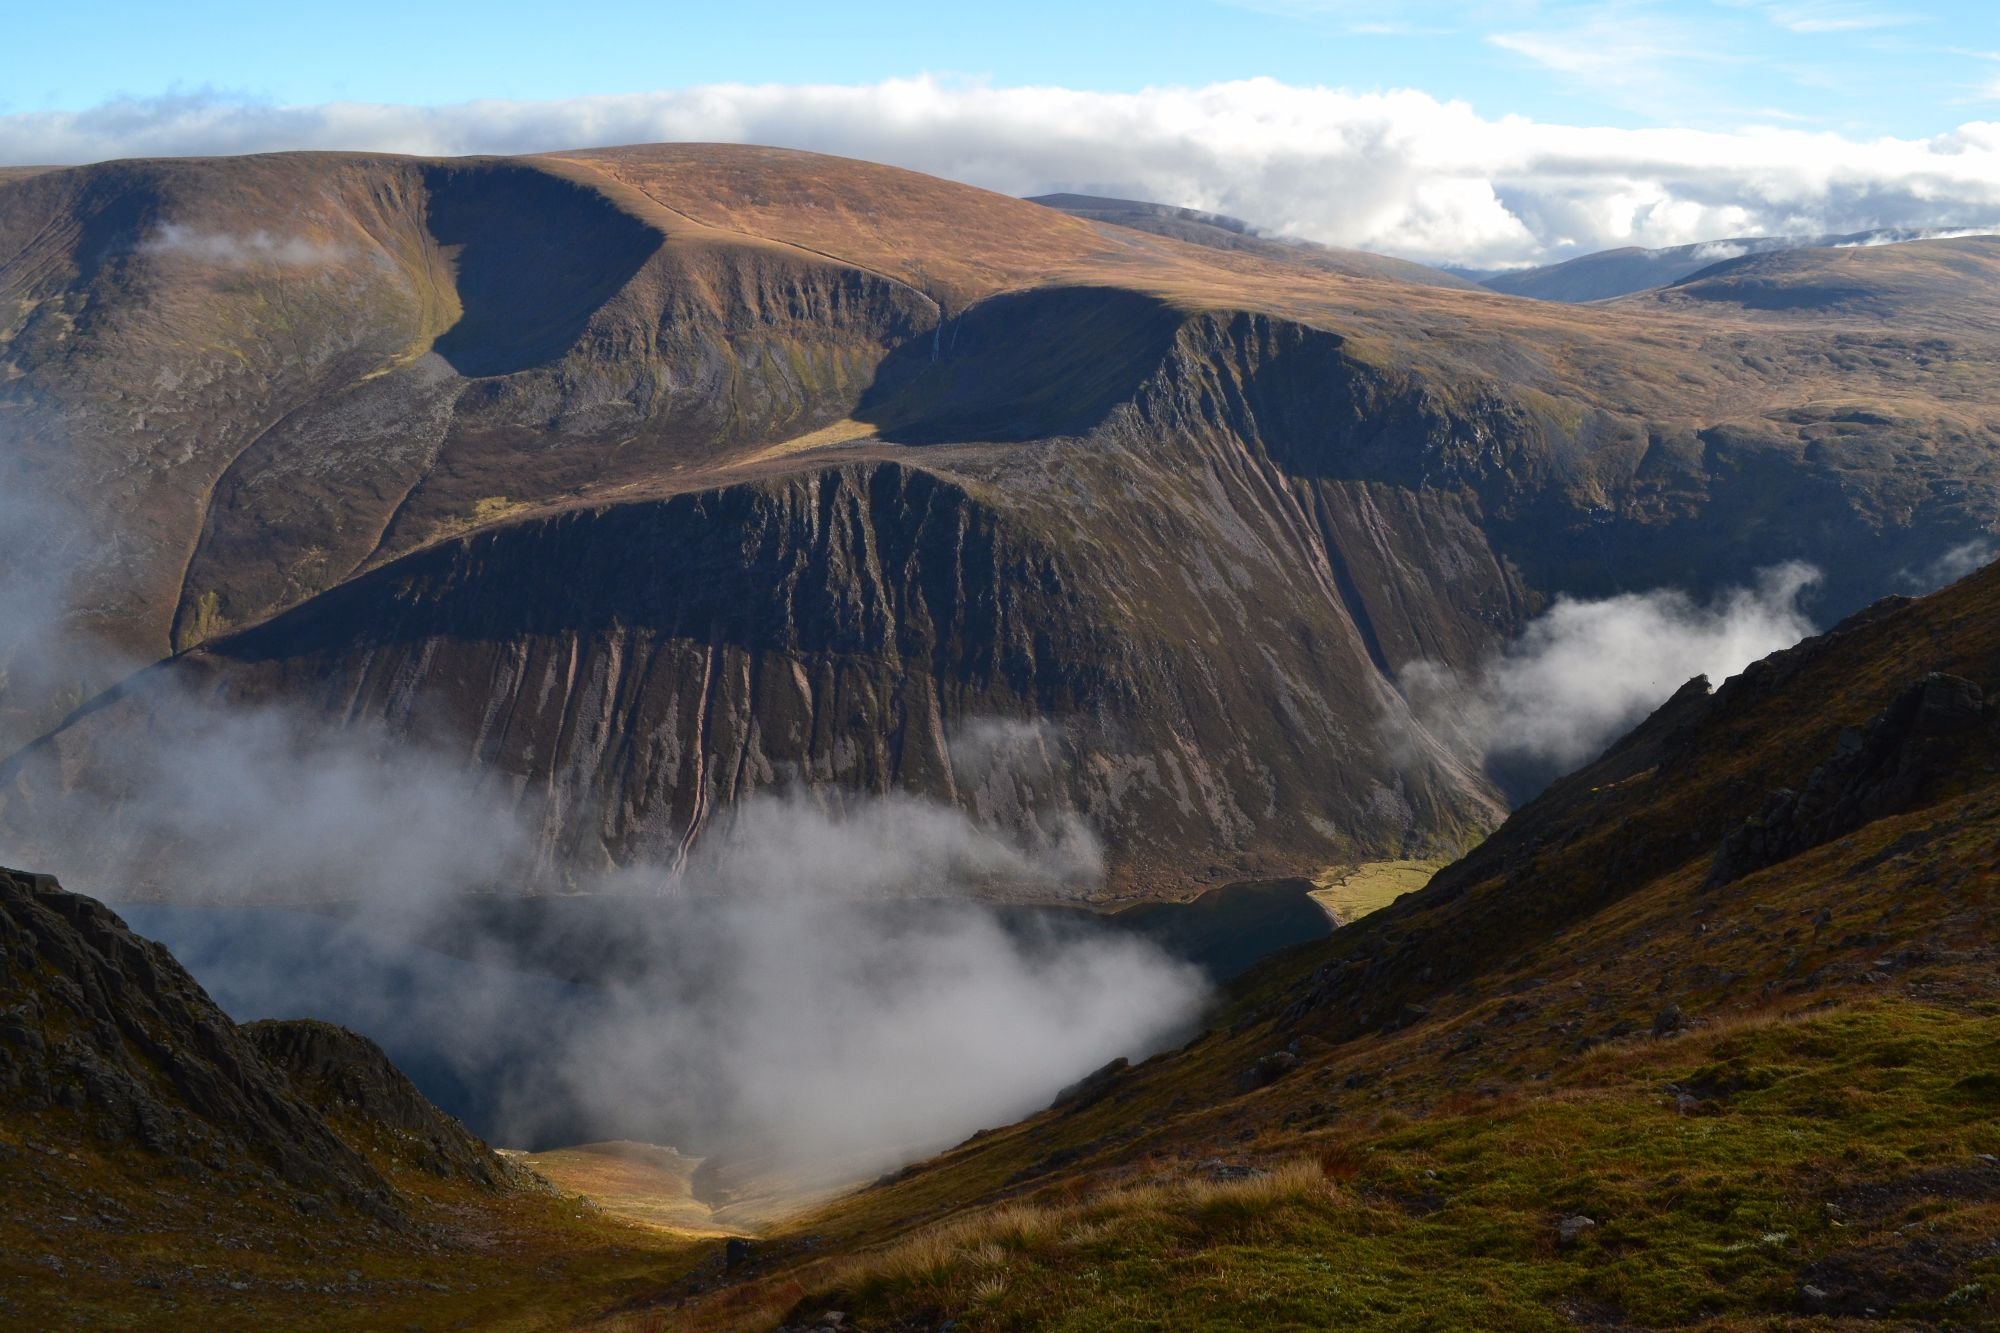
column 1221, row 232
column 1624, row 271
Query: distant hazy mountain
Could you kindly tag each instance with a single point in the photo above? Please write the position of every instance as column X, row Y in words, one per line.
column 1220, row 232
column 1620, row 272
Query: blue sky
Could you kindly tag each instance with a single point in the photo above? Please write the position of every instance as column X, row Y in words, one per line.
column 1492, row 133
column 1857, row 66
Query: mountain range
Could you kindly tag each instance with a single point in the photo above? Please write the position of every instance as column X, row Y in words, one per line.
column 1628, row 269
column 650, row 478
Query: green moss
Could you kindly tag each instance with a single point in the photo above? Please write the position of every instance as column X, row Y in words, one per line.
column 207, row 622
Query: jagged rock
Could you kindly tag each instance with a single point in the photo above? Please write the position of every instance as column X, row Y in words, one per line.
column 1669, row 1021
column 147, row 1059
column 1573, row 1228
column 351, row 1081
column 1877, row 772
column 1947, row 705
column 1269, row 1069
column 110, row 1028
column 1091, row 1086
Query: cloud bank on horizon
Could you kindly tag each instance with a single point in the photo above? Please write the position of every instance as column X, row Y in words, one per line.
column 1400, row 172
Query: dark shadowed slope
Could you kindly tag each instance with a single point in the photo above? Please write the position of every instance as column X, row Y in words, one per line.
column 109, row 1042
column 165, row 1168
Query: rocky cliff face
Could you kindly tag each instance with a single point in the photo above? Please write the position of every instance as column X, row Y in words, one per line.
column 106, row 1040
column 114, row 1059
column 1933, row 729
column 346, row 1078
column 862, row 629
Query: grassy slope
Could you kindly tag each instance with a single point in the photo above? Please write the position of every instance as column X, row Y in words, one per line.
column 115, row 1239
column 641, row 1182
column 1826, row 1125
column 1351, row 892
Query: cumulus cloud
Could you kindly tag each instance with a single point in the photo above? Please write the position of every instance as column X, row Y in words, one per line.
column 1401, row 171
column 1584, row 672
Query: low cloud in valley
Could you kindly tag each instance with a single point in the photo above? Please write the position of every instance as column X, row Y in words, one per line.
column 1584, row 672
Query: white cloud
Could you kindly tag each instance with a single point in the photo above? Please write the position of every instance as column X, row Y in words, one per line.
column 1820, row 17
column 1613, row 50
column 1953, row 565
column 1398, row 171
column 1584, row 672
column 257, row 247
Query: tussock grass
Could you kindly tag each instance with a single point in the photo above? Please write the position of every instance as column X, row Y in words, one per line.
column 969, row 1261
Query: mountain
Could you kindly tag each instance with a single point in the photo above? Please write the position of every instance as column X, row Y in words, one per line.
column 1702, row 1036
column 1893, row 283
column 1220, row 232
column 646, row 479
column 1629, row 269
column 164, row 1167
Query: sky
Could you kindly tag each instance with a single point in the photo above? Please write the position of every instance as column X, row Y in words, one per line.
column 1602, row 122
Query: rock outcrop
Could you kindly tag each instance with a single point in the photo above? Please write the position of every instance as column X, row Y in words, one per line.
column 1879, row 769
column 347, row 1079
column 108, row 1046
column 107, row 1039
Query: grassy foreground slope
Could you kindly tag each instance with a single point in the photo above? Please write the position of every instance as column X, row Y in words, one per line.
column 1665, row 1051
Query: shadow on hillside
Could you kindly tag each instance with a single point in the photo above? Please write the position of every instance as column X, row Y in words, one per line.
column 1021, row 366
column 537, row 256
